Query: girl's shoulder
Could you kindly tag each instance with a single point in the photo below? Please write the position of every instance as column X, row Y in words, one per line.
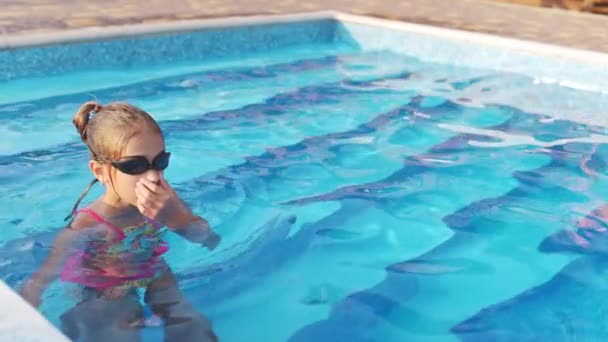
column 87, row 219
column 87, row 227
column 82, row 220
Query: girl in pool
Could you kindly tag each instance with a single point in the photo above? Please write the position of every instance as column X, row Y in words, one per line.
column 114, row 246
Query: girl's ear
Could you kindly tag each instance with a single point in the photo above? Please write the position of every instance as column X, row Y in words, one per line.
column 98, row 171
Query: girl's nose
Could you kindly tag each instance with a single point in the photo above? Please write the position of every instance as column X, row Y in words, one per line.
column 154, row 176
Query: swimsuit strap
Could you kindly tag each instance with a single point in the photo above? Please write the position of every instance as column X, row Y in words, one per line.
column 98, row 218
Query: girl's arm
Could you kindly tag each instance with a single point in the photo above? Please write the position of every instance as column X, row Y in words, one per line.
column 193, row 228
column 62, row 246
column 70, row 239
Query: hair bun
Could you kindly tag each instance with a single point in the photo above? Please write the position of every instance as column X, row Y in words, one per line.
column 82, row 117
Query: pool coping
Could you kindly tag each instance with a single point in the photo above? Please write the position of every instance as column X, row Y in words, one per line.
column 487, row 39
column 145, row 29
column 23, row 321
column 88, row 34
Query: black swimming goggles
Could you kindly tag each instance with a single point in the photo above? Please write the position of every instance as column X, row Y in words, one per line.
column 137, row 165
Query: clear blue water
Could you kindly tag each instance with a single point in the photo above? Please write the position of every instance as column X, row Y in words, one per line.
column 421, row 193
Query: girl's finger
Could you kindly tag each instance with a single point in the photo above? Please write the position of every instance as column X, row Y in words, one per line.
column 141, row 208
column 150, row 200
column 153, row 176
column 150, row 204
column 139, row 194
column 152, row 186
column 149, row 211
column 164, row 183
column 144, row 193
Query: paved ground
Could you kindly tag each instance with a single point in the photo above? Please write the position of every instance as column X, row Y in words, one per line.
column 551, row 25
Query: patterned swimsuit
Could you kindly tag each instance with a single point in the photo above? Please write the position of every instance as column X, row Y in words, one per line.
column 131, row 260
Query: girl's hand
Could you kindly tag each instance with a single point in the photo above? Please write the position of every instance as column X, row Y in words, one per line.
column 158, row 201
column 31, row 293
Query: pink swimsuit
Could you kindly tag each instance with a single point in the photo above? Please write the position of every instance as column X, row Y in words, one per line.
column 130, row 260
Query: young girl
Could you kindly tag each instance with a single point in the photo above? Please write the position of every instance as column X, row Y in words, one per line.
column 114, row 246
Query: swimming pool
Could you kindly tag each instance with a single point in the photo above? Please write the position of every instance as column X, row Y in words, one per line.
column 367, row 187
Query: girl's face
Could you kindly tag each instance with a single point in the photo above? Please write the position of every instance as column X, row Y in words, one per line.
column 147, row 144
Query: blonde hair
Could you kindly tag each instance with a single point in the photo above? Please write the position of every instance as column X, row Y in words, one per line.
column 106, row 131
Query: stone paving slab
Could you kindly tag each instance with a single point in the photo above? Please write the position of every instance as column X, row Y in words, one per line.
column 549, row 25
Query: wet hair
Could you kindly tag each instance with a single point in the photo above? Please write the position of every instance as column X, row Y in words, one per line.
column 106, row 131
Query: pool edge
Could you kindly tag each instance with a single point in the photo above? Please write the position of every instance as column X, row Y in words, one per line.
column 142, row 29
column 23, row 321
column 477, row 38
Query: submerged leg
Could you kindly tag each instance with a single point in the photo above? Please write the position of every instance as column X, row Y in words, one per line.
column 99, row 319
column 182, row 321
